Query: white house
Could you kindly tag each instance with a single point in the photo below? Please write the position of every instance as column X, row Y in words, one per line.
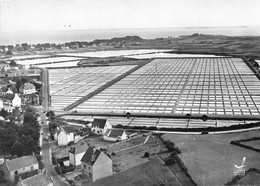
column 1, row 104
column 76, row 154
column 64, row 135
column 16, row 102
column 100, row 126
column 96, row 164
column 27, row 88
column 115, row 135
column 13, row 168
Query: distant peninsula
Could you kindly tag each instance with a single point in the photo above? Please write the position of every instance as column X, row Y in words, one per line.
column 241, row 46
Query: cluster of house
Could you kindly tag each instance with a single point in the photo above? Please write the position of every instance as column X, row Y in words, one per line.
column 25, row 171
column 65, row 134
column 94, row 163
column 10, row 100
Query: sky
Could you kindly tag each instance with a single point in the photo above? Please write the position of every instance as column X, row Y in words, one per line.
column 53, row 15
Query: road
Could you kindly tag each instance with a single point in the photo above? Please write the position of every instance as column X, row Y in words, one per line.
column 45, row 90
column 46, row 145
column 46, row 153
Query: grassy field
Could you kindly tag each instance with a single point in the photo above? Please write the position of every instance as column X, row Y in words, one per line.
column 151, row 173
column 212, row 157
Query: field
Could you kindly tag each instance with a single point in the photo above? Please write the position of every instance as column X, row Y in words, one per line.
column 69, row 85
column 60, row 64
column 213, row 157
column 45, row 60
column 27, row 57
column 167, row 55
column 222, row 86
column 113, row 53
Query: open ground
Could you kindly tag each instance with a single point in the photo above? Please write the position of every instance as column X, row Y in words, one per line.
column 212, row 157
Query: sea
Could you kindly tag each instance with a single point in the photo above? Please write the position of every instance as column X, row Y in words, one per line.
column 12, row 38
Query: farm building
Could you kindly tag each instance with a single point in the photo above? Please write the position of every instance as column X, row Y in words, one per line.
column 100, row 126
column 115, row 135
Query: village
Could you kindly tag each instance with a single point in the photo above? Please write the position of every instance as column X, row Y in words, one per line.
column 81, row 152
column 112, row 123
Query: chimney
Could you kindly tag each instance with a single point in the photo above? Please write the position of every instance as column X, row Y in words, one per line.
column 93, row 158
column 72, row 150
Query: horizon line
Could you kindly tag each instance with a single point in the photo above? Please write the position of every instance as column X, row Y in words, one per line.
column 95, row 29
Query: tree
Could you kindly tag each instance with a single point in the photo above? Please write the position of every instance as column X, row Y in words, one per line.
column 146, row 155
column 25, row 46
column 204, row 117
column 178, row 150
column 4, row 113
column 9, row 52
column 29, row 144
column 18, row 149
column 128, row 115
column 170, row 161
column 256, row 65
column 50, row 114
column 7, row 138
column 12, row 63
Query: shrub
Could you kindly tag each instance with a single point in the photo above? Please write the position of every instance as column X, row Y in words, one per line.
column 146, row 155
column 113, row 153
column 170, row 146
column 204, row 117
column 170, row 161
column 178, row 150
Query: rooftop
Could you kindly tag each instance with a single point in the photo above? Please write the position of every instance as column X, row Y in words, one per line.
column 79, row 149
column 99, row 123
column 91, row 155
column 21, row 162
column 39, row 180
column 68, row 129
column 114, row 133
column 28, row 86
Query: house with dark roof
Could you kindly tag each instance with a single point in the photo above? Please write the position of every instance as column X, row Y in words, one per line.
column 41, row 179
column 96, row 164
column 115, row 135
column 76, row 153
column 64, row 135
column 100, row 126
column 15, row 167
